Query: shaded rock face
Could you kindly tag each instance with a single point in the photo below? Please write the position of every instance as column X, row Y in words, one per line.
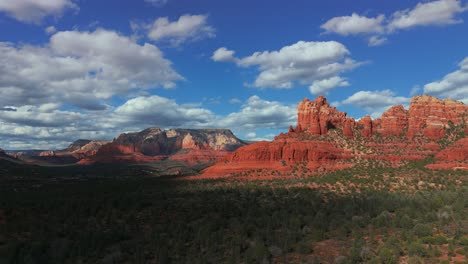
column 157, row 142
column 317, row 117
column 430, row 116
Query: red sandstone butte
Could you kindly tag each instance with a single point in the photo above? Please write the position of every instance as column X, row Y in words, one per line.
column 430, row 116
column 317, row 116
column 367, row 125
column 393, row 121
column 404, row 135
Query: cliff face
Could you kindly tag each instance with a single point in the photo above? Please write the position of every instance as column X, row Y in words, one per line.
column 430, row 116
column 317, row 117
column 325, row 136
column 393, row 122
column 191, row 145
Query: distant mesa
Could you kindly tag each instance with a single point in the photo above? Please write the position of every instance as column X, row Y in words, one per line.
column 326, row 139
column 187, row 145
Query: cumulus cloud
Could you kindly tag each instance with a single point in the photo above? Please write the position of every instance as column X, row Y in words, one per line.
column 235, row 101
column 50, row 30
column 164, row 112
column 47, row 126
column 323, row 86
column 441, row 12
column 302, row 62
column 453, row 85
column 34, row 11
column 224, row 55
column 354, row 25
column 375, row 102
column 157, row 3
column 258, row 113
column 81, row 69
column 374, row 41
column 186, row 28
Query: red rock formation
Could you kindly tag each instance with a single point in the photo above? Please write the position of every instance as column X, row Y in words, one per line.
column 394, row 121
column 429, row 116
column 453, row 157
column 458, row 151
column 289, row 150
column 348, row 127
column 48, row 153
column 190, row 145
column 317, row 116
column 366, row 122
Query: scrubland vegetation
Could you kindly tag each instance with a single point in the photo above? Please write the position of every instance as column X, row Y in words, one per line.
column 367, row 214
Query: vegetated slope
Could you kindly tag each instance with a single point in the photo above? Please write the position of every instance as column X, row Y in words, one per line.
column 186, row 145
column 326, row 138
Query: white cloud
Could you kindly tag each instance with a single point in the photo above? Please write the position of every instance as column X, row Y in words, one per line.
column 441, row 12
column 235, row 101
column 251, row 135
column 415, row 90
column 374, row 41
column 303, row 62
column 453, row 85
column 44, row 115
column 258, row 113
column 323, row 86
column 223, row 54
column 375, row 102
column 34, row 11
column 157, row 3
column 163, row 112
column 50, row 30
column 81, row 68
column 46, row 126
column 186, row 28
column 354, row 25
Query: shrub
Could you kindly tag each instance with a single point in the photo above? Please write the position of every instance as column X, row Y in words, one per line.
column 422, row 230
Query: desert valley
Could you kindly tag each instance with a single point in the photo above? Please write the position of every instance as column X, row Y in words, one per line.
column 329, row 190
column 240, row 132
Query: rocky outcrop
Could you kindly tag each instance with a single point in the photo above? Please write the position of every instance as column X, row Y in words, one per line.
column 47, row 153
column 430, row 116
column 317, row 117
column 192, row 145
column 289, row 151
column 389, row 138
column 454, row 157
column 348, row 127
column 393, row 122
column 366, row 123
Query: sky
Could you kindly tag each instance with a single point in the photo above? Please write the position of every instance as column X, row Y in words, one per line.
column 72, row 69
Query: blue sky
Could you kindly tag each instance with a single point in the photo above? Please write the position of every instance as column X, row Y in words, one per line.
column 74, row 69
